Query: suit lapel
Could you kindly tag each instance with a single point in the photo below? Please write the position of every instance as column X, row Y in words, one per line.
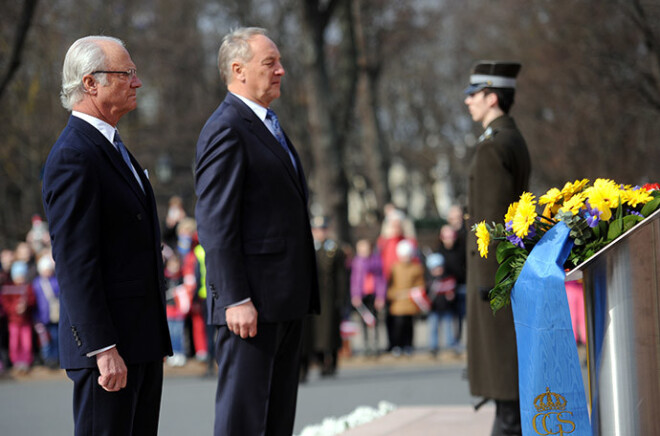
column 260, row 130
column 111, row 153
column 125, row 171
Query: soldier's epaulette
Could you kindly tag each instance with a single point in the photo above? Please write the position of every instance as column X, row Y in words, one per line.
column 330, row 246
column 488, row 133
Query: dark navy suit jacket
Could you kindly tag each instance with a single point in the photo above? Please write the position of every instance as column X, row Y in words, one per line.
column 106, row 245
column 252, row 219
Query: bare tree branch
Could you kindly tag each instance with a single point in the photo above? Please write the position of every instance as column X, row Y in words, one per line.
column 22, row 29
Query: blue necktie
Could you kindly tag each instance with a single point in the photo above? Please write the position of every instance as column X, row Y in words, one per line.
column 279, row 135
column 124, row 154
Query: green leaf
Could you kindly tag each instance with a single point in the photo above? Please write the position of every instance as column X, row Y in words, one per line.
column 504, row 250
column 629, row 221
column 600, row 229
column 651, row 206
column 504, row 270
column 500, row 295
column 619, row 209
column 615, row 230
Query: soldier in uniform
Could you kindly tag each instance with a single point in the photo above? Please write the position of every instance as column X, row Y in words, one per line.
column 322, row 339
column 498, row 174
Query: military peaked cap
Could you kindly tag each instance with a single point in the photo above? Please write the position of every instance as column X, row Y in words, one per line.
column 493, row 74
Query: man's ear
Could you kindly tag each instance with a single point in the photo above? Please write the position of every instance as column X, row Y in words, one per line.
column 238, row 71
column 491, row 99
column 90, row 84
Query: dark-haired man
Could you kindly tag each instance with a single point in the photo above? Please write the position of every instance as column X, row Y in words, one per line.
column 498, row 174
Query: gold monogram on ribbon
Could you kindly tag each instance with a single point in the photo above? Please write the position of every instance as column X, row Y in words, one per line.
column 552, row 417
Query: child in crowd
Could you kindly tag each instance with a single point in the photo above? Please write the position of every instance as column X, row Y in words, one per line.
column 187, row 243
column 6, row 260
column 442, row 293
column 406, row 276
column 177, row 301
column 18, row 301
column 368, row 292
column 47, row 316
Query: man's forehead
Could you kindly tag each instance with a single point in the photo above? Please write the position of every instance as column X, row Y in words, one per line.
column 263, row 47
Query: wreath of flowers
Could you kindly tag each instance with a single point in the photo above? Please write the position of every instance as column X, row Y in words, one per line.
column 596, row 214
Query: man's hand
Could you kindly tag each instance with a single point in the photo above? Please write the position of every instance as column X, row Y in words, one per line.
column 113, row 370
column 242, row 320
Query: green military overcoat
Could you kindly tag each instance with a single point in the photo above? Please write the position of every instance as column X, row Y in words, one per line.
column 498, row 174
column 324, row 328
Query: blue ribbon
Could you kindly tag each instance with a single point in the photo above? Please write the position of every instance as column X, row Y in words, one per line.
column 552, row 398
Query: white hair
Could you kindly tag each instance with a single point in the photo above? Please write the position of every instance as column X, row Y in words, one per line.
column 236, row 46
column 405, row 249
column 45, row 264
column 83, row 57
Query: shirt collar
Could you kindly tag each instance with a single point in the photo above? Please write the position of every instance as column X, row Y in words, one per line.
column 258, row 109
column 106, row 129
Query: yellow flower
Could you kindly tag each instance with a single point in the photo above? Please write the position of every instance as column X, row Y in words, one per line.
column 511, row 212
column 551, row 199
column 570, row 189
column 635, row 197
column 604, row 196
column 483, row 239
column 525, row 215
column 574, row 204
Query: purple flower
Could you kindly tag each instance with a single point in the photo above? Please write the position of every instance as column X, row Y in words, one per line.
column 532, row 231
column 516, row 240
column 592, row 215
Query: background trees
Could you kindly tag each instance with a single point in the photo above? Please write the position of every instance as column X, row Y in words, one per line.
column 372, row 96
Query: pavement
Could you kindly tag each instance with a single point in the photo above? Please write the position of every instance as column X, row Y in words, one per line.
column 430, row 394
column 422, row 421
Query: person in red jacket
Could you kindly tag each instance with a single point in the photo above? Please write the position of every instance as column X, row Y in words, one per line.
column 18, row 301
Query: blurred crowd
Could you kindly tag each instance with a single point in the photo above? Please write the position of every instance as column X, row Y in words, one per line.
column 29, row 297
column 388, row 286
column 29, row 302
column 396, row 282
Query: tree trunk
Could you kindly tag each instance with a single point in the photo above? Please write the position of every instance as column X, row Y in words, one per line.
column 329, row 180
column 373, row 142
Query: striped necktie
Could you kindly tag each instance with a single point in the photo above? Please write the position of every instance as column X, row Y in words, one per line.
column 124, row 154
column 279, row 135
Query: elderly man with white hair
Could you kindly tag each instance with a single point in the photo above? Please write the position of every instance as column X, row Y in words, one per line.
column 106, row 244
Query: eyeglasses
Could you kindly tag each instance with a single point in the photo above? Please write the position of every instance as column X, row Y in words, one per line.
column 131, row 73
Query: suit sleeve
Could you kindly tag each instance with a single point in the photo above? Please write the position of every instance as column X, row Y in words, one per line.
column 219, row 184
column 72, row 201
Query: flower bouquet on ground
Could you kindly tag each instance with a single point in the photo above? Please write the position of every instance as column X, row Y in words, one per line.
column 596, row 214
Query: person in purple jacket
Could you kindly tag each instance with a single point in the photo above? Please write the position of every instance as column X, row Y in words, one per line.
column 368, row 291
column 47, row 316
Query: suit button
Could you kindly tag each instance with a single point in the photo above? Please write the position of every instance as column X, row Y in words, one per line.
column 215, row 295
column 139, row 217
column 79, row 343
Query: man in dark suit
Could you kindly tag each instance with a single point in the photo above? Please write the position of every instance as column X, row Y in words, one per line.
column 498, row 174
column 106, row 244
column 253, row 223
